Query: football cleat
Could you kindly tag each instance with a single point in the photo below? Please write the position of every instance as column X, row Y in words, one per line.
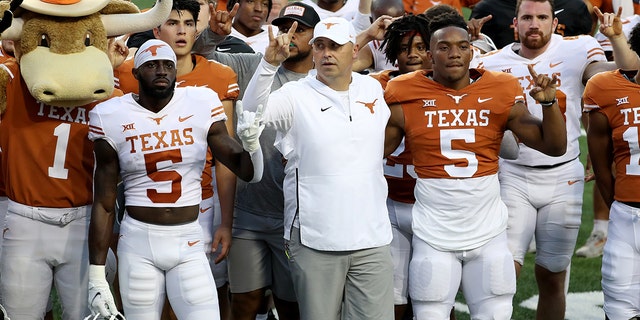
column 594, row 246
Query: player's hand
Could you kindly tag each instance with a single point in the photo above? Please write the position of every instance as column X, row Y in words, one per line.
column 222, row 239
column 278, row 49
column 544, row 89
column 7, row 16
column 249, row 127
column 100, row 298
column 475, row 26
column 118, row 50
column 220, row 21
column 378, row 28
column 610, row 23
column 589, row 175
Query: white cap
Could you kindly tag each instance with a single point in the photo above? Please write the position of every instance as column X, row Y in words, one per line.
column 336, row 29
column 153, row 49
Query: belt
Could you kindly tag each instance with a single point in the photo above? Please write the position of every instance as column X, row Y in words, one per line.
column 632, row 204
column 551, row 166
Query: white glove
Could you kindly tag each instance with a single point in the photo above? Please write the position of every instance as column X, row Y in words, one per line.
column 249, row 127
column 100, row 297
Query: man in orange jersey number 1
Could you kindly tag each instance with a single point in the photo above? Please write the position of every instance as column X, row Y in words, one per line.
column 157, row 142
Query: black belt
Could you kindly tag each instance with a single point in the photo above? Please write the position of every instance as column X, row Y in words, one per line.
column 632, row 204
column 551, row 166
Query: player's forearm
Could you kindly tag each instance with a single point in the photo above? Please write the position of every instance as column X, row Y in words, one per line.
column 554, row 131
column 623, row 56
column 100, row 233
column 226, row 185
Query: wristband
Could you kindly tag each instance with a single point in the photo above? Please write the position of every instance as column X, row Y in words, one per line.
column 548, row 104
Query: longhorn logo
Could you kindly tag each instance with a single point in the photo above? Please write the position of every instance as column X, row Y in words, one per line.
column 157, row 120
column 329, row 24
column 369, row 105
column 153, row 49
column 457, row 98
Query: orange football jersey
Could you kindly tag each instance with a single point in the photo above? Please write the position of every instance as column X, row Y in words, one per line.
column 206, row 73
column 455, row 134
column 47, row 159
column 613, row 95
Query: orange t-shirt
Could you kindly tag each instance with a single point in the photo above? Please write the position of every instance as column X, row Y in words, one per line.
column 420, row 6
column 454, row 134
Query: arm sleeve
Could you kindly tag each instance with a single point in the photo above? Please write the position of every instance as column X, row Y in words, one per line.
column 259, row 86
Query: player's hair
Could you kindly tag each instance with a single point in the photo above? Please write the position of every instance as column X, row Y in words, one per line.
column 634, row 39
column 438, row 10
column 551, row 2
column 231, row 3
column 446, row 20
column 192, row 6
column 408, row 25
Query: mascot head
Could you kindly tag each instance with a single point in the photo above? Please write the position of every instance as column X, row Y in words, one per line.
column 62, row 44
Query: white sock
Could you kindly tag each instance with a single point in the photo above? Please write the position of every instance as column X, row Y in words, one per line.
column 601, row 225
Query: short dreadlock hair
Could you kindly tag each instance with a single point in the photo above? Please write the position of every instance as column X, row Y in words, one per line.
column 411, row 25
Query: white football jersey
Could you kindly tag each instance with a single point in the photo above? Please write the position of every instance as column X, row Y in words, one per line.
column 379, row 59
column 565, row 58
column 161, row 154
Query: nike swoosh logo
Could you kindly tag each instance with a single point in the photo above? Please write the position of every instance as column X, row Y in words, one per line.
column 223, row 49
column 484, row 100
column 553, row 65
column 192, row 243
column 325, row 109
column 181, row 119
column 558, row 11
column 203, row 210
column 572, row 182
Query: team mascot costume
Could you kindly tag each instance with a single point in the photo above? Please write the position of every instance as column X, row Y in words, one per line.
column 62, row 69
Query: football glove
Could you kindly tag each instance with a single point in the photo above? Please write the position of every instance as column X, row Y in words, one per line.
column 97, row 316
column 249, row 127
column 100, row 297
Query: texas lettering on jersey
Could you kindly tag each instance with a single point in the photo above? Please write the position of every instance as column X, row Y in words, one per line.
column 454, row 134
column 75, row 114
column 160, row 140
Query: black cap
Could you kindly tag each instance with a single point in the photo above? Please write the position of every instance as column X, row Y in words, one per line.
column 298, row 11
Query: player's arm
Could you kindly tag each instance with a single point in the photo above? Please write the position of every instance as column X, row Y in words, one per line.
column 624, row 58
column 363, row 60
column 394, row 132
column 548, row 136
column 105, row 180
column 226, row 184
column 601, row 154
column 248, row 166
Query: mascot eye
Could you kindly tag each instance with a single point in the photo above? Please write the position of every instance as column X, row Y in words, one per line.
column 44, row 41
column 87, row 40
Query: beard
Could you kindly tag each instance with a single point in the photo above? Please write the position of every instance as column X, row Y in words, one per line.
column 158, row 93
column 535, row 44
column 299, row 56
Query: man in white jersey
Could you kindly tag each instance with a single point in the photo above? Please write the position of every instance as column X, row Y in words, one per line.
column 543, row 193
column 157, row 142
column 330, row 129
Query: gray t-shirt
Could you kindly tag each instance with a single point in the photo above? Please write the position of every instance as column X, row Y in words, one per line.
column 259, row 206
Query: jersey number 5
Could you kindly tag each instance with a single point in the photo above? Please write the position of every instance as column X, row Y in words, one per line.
column 151, row 161
column 469, row 136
